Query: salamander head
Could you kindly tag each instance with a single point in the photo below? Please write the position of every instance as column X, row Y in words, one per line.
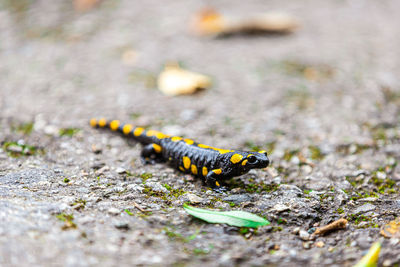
column 244, row 161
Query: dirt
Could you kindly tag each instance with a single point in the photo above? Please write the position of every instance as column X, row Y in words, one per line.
column 323, row 101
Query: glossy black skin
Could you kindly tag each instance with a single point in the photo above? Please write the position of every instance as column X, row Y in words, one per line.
column 216, row 159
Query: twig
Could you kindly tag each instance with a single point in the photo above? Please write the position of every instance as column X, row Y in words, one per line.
column 138, row 207
column 339, row 224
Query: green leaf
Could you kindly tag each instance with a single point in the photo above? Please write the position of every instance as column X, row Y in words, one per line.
column 371, row 258
column 234, row 218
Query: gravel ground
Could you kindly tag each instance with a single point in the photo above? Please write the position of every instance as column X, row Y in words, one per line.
column 323, row 101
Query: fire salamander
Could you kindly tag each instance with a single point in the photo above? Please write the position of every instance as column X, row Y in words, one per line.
column 211, row 164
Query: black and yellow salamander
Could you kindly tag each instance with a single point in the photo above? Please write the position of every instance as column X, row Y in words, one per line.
column 209, row 163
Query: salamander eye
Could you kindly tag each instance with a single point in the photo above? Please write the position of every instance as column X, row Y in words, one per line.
column 251, row 159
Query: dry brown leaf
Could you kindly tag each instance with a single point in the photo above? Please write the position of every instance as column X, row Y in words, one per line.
column 210, row 22
column 84, row 5
column 174, row 80
column 392, row 229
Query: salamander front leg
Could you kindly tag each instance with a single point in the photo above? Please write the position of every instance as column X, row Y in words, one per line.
column 151, row 154
column 212, row 180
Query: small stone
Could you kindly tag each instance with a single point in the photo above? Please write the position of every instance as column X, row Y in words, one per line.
column 135, row 188
column 365, row 208
column 120, row 170
column 51, row 130
column 96, row 149
column 387, row 262
column 121, row 225
column 238, row 198
column 307, row 245
column 304, row 235
column 319, row 244
column 272, row 172
column 102, row 170
column 368, row 199
column 381, row 175
column 306, row 169
column 296, row 230
column 113, row 211
column 157, row 187
column 194, row 199
column 280, row 207
column 14, row 148
column 277, row 180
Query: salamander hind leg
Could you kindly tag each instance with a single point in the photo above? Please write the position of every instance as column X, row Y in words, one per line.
column 151, row 154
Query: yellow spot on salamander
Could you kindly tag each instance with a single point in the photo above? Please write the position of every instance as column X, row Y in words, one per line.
column 186, row 162
column 236, row 158
column 205, row 171
column 93, row 122
column 217, row 184
column 157, row 148
column 160, row 135
column 262, row 151
column 203, row 146
column 151, row 133
column 194, row 169
column 114, row 125
column 250, row 155
column 102, row 123
column 217, row 171
column 244, row 162
column 176, row 138
column 189, row 141
column 222, row 151
column 127, row 128
column 181, row 168
column 138, row 131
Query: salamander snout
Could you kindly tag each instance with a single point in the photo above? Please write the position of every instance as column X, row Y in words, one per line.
column 258, row 160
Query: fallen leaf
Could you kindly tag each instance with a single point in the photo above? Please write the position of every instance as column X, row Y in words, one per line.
column 210, row 22
column 392, row 229
column 234, row 218
column 371, row 258
column 174, row 80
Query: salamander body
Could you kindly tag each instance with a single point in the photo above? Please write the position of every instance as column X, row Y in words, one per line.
column 211, row 164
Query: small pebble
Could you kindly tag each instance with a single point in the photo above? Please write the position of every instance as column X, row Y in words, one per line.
column 114, row 211
column 381, row 175
column 319, row 244
column 102, row 170
column 304, row 235
column 280, row 207
column 296, row 230
column 194, row 199
column 121, row 225
column 14, row 148
column 307, row 245
column 120, row 170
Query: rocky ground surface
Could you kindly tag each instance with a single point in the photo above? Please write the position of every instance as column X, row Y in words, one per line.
column 324, row 102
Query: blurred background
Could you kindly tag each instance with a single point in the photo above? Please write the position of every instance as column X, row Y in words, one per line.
column 65, row 61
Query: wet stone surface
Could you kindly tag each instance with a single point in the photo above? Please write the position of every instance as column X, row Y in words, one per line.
column 74, row 196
